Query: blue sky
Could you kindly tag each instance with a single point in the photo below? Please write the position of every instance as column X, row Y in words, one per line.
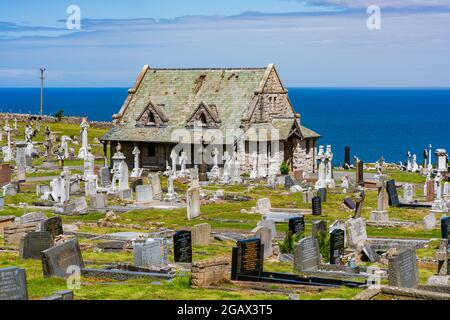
column 313, row 43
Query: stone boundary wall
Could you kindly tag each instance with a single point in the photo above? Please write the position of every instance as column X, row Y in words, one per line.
column 23, row 117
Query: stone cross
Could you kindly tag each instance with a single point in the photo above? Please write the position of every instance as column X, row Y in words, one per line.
column 173, row 157
column 83, row 152
column 183, row 160
column 321, row 158
column 7, row 151
column 48, row 143
column 329, row 168
column 226, row 176
column 137, row 171
column 254, row 172
column 15, row 123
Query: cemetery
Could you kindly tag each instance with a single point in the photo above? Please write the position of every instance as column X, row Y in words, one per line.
column 81, row 218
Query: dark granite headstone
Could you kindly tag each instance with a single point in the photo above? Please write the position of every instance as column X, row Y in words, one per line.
column 13, row 284
column 316, row 206
column 359, row 172
column 445, row 228
column 296, row 225
column 250, row 256
column 402, row 270
column 182, row 246
column 392, row 192
column 337, row 245
column 318, row 226
column 288, row 182
column 57, row 260
column 34, row 243
column 347, row 157
column 53, row 225
column 349, row 203
column 322, row 193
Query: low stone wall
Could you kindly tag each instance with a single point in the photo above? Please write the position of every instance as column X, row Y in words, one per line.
column 14, row 233
column 211, row 272
column 22, row 117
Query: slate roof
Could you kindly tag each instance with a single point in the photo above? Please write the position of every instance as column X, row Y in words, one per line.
column 178, row 94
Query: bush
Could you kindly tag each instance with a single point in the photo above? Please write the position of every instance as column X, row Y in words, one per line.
column 324, row 245
column 59, row 114
column 284, row 168
column 289, row 242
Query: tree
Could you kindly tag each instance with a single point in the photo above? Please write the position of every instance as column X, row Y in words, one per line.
column 59, row 114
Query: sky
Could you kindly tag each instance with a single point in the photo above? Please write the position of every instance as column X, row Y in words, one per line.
column 313, row 43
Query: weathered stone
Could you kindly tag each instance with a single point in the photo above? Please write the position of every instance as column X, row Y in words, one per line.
column 211, row 272
column 13, row 284
column 201, row 234
column 403, row 271
column 34, row 243
column 306, row 255
column 59, row 260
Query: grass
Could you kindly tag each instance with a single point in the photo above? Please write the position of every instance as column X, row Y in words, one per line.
column 221, row 216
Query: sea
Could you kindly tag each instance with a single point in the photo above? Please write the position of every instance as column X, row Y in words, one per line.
column 373, row 122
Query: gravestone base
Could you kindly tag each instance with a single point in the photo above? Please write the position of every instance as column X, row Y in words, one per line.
column 172, row 198
column 125, row 194
column 438, row 280
column 51, row 164
column 382, row 216
column 65, row 209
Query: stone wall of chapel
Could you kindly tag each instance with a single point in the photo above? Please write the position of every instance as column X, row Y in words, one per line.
column 303, row 159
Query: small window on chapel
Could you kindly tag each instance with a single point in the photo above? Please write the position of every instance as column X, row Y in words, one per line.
column 203, row 120
column 151, row 118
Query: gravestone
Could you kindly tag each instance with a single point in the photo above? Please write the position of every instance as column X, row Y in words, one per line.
column 99, row 201
column 296, row 225
column 151, row 254
column 288, row 182
column 80, row 205
column 316, row 206
column 359, row 173
column 319, row 226
column 430, row 190
column 182, row 246
column 53, row 225
column 34, row 243
column 105, row 177
column 402, row 270
column 307, row 255
column 392, row 192
column 5, row 174
column 322, row 193
column 201, row 234
column 265, row 234
column 263, row 206
column 445, row 228
column 356, row 232
column 6, row 221
column 13, row 284
column 347, row 157
column 429, row 221
column 156, row 185
column 369, row 254
column 341, row 226
column 144, row 193
column 268, row 223
column 57, row 260
column 349, row 203
column 248, row 257
column 337, row 245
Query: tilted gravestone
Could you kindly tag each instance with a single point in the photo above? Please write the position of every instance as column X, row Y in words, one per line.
column 268, row 223
column 156, row 185
column 317, row 227
column 306, row 255
column 369, row 254
column 13, row 284
column 316, row 206
column 53, row 225
column 32, row 217
column 402, row 270
column 349, row 203
column 392, row 192
column 57, row 260
column 356, row 232
column 288, row 182
column 248, row 258
column 151, row 254
column 182, row 246
column 34, row 243
column 337, row 245
column 296, row 225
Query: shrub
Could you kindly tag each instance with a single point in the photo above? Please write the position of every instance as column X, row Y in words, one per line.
column 59, row 114
column 284, row 168
column 324, row 245
column 289, row 242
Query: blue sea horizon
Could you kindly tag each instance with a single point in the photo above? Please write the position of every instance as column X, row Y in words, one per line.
column 374, row 122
